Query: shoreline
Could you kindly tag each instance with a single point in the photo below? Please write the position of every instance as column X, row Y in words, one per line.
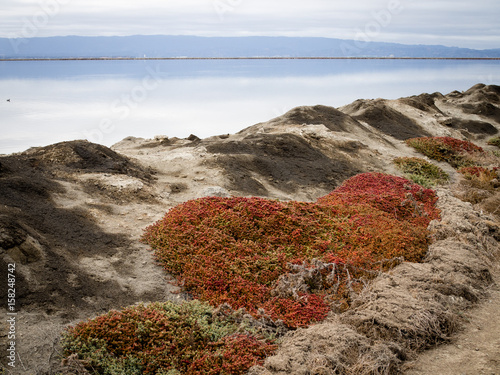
column 246, row 58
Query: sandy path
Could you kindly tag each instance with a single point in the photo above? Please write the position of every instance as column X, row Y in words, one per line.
column 475, row 350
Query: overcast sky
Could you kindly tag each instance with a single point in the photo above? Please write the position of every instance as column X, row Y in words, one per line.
column 473, row 24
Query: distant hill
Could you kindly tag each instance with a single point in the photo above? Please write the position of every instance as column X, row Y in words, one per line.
column 195, row 46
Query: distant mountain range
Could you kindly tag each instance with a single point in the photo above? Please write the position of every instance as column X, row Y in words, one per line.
column 194, row 46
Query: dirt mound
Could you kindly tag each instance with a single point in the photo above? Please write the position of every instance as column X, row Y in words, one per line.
column 483, row 109
column 381, row 116
column 330, row 117
column 3, row 169
column 423, row 102
column 286, row 160
column 480, row 100
column 98, row 169
column 483, row 93
column 475, row 127
column 82, row 157
column 413, row 307
column 35, row 229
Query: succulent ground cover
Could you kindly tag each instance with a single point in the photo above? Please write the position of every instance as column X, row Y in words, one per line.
column 480, row 185
column 287, row 263
column 451, row 150
column 421, row 171
column 495, row 141
column 166, row 338
column 474, row 163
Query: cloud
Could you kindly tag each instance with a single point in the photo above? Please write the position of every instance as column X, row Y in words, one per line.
column 470, row 24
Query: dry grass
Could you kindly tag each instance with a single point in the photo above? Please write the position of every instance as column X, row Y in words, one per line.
column 73, row 366
column 382, row 359
column 484, row 159
column 431, row 328
column 480, row 184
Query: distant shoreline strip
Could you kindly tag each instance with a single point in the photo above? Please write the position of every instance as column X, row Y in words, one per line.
column 242, row 58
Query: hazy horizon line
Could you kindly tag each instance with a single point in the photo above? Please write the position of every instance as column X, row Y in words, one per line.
column 103, row 58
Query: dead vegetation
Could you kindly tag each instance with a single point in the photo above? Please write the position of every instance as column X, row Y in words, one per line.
column 481, row 185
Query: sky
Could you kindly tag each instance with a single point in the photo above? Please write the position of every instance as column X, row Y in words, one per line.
column 471, row 24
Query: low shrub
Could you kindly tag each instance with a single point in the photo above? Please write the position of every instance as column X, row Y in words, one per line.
column 421, row 171
column 165, row 338
column 397, row 196
column 494, row 142
column 239, row 250
column 446, row 149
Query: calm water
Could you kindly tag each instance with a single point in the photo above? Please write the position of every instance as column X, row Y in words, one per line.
column 106, row 101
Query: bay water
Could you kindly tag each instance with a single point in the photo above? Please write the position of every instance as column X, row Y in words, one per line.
column 104, row 101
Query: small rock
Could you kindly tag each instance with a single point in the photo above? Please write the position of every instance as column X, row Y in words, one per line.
column 215, row 191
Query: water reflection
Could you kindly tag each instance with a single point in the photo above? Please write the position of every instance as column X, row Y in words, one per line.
column 105, row 101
